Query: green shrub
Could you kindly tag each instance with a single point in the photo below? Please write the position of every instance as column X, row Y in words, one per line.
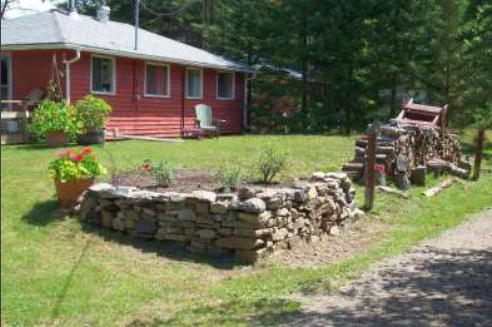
column 271, row 163
column 229, row 176
column 52, row 116
column 162, row 172
column 92, row 112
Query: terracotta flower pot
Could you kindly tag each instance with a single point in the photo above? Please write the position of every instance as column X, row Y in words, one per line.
column 69, row 191
column 57, row 138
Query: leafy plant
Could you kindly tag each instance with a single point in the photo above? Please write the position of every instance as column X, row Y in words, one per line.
column 162, row 172
column 271, row 163
column 229, row 176
column 92, row 112
column 74, row 165
column 52, row 116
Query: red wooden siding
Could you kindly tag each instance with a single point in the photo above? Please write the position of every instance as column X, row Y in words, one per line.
column 133, row 112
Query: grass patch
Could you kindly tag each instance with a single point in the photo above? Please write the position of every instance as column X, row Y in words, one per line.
column 55, row 272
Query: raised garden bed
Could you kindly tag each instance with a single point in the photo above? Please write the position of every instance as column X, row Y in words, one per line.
column 250, row 223
column 185, row 181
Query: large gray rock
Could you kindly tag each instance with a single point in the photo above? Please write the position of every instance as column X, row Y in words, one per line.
column 340, row 176
column 145, row 228
column 218, row 207
column 318, row 176
column 206, row 233
column 204, row 196
column 186, row 215
column 255, row 219
column 253, row 205
column 246, row 193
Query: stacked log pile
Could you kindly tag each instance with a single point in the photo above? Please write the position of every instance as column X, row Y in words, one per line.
column 249, row 224
column 406, row 148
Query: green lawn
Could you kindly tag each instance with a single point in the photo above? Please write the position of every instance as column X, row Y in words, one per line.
column 59, row 272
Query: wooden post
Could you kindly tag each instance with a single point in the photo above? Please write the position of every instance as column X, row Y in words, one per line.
column 478, row 154
column 369, row 169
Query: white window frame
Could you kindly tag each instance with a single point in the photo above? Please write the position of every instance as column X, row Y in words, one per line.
column 233, row 84
column 168, row 91
column 201, row 83
column 113, row 61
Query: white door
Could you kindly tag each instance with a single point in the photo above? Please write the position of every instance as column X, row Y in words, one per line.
column 6, row 80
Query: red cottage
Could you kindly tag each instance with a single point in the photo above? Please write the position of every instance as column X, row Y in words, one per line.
column 152, row 82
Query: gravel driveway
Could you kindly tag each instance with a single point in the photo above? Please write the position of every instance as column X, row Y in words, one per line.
column 446, row 281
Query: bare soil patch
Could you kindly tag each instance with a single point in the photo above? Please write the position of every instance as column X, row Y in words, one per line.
column 187, row 180
column 353, row 237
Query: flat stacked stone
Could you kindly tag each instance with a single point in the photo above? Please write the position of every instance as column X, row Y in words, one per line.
column 251, row 223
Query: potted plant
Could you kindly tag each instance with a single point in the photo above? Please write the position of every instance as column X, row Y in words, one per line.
column 54, row 121
column 74, row 172
column 92, row 113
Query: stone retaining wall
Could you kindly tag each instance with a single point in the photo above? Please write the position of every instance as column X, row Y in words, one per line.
column 250, row 223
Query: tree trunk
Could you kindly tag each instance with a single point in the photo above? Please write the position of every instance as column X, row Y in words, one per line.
column 369, row 170
column 304, row 100
column 393, row 96
column 478, row 154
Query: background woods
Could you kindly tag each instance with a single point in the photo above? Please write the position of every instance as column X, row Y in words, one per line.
column 336, row 65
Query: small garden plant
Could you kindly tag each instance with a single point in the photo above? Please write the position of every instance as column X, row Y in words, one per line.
column 229, row 176
column 162, row 172
column 75, row 165
column 52, row 116
column 91, row 113
column 271, row 162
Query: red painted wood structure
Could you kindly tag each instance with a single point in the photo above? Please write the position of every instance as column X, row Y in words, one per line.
column 30, row 43
column 419, row 114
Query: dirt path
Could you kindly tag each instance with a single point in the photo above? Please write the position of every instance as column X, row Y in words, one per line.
column 446, row 281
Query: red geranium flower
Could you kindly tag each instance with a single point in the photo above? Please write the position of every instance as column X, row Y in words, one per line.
column 78, row 157
column 87, row 151
column 146, row 167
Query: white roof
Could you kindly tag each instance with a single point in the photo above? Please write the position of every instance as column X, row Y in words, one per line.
column 54, row 29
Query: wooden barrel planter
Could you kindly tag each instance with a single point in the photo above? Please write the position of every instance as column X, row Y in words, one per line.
column 57, row 138
column 91, row 137
column 68, row 192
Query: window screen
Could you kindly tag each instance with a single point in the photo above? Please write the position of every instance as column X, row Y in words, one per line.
column 194, row 83
column 225, row 85
column 157, row 80
column 102, row 75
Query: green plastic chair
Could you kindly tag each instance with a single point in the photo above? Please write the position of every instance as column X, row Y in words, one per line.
column 204, row 120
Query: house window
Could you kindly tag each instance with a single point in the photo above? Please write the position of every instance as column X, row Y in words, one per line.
column 225, row 85
column 103, row 75
column 194, row 83
column 157, row 80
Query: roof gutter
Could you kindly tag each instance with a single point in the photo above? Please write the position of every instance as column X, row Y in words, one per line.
column 67, row 72
column 120, row 53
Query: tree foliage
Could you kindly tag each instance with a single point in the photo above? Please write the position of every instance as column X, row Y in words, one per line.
column 356, row 60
